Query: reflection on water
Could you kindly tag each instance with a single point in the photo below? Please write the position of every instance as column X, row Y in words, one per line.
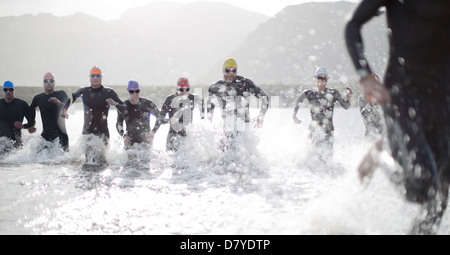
column 271, row 185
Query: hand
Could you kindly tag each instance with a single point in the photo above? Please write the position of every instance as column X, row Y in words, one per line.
column 348, row 94
column 64, row 114
column 18, row 124
column 374, row 92
column 126, row 140
column 296, row 120
column 258, row 121
column 111, row 102
column 54, row 100
column 31, row 130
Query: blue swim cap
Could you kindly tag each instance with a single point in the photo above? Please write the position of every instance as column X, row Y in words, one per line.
column 8, row 84
column 133, row 85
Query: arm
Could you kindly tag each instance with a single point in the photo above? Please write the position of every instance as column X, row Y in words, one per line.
column 114, row 100
column 25, row 113
column 298, row 101
column 373, row 90
column 209, row 104
column 201, row 105
column 32, row 111
column 155, row 112
column 344, row 102
column 119, row 123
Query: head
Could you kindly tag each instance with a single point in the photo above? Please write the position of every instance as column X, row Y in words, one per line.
column 229, row 70
column 49, row 83
column 96, row 77
column 321, row 77
column 133, row 89
column 8, row 89
column 183, row 86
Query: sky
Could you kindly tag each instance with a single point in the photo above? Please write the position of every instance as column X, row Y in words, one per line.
column 113, row 9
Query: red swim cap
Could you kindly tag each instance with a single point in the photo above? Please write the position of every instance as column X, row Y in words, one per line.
column 183, row 82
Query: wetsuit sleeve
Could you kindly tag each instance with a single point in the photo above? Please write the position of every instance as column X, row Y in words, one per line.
column 209, row 104
column 363, row 13
column 259, row 93
column 338, row 97
column 119, row 123
column 32, row 110
column 201, row 105
column 161, row 119
column 77, row 94
column 25, row 113
column 121, row 107
column 64, row 99
column 155, row 112
column 299, row 100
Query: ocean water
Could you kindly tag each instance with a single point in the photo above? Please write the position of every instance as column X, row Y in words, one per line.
column 272, row 185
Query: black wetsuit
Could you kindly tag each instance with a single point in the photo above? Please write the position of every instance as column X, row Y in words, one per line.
column 180, row 107
column 231, row 94
column 372, row 117
column 417, row 76
column 137, row 118
column 53, row 125
column 96, row 109
column 10, row 113
column 321, row 106
column 234, row 98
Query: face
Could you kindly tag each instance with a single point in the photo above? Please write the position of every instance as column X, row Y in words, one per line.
column 321, row 82
column 229, row 74
column 9, row 93
column 96, row 80
column 49, row 82
column 134, row 93
column 183, row 90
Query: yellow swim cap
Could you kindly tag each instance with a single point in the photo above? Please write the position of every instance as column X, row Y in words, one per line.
column 230, row 62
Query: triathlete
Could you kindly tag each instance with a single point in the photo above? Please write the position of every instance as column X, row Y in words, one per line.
column 233, row 93
column 12, row 112
column 180, row 107
column 53, row 108
column 321, row 103
column 415, row 95
column 372, row 115
column 96, row 109
column 137, row 118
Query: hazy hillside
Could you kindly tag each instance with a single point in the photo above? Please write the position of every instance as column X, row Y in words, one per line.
column 157, row 43
column 154, row 44
column 287, row 48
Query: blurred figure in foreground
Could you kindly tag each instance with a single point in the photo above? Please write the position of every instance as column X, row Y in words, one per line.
column 415, row 97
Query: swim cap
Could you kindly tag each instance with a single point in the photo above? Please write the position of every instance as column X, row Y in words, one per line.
column 321, row 70
column 96, row 70
column 8, row 84
column 230, row 62
column 183, row 82
column 133, row 85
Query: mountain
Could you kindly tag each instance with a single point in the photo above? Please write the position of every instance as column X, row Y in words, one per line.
column 157, row 43
column 154, row 44
column 288, row 48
